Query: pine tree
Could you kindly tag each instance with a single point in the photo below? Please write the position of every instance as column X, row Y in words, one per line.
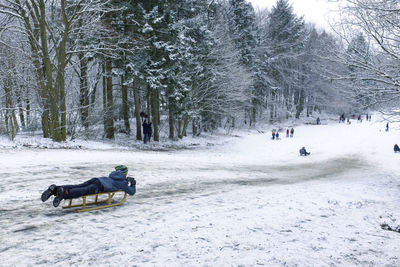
column 286, row 34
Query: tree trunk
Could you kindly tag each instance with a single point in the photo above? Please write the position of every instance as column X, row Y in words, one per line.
column 149, row 103
column 48, row 70
column 253, row 112
column 33, row 37
column 155, row 114
column 84, row 91
column 300, row 105
column 125, row 106
column 171, row 121
column 63, row 107
column 20, row 108
column 10, row 118
column 180, row 129
column 288, row 99
column 186, row 120
column 272, row 107
column 194, row 127
column 28, row 111
column 104, row 83
column 109, row 112
column 137, row 111
column 62, row 63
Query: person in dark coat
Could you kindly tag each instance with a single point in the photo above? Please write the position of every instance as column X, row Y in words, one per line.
column 396, row 148
column 303, row 152
column 147, row 131
column 291, row 132
column 117, row 180
column 387, row 127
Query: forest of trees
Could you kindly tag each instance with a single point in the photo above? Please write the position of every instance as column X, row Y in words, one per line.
column 80, row 68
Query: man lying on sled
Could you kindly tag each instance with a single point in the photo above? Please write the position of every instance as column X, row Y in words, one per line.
column 117, row 180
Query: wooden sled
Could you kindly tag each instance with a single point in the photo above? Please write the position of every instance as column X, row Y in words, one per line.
column 97, row 200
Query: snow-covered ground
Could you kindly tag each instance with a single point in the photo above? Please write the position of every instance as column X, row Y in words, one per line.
column 252, row 201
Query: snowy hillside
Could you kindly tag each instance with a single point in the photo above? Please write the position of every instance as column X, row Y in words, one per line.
column 248, row 201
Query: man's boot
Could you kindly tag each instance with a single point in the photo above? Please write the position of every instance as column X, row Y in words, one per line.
column 49, row 192
column 59, row 196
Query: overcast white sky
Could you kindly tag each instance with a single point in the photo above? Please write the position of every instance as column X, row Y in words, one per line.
column 316, row 11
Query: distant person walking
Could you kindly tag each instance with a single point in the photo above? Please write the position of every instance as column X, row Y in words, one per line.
column 387, row 127
column 318, row 121
column 277, row 135
column 273, row 134
column 291, row 132
column 287, row 132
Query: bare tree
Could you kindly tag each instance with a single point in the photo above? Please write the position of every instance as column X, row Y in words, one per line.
column 48, row 27
column 379, row 21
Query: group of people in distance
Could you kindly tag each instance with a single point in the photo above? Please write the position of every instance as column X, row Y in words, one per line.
column 342, row 118
column 275, row 135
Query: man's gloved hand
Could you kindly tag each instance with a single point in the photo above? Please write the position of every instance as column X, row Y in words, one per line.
column 132, row 181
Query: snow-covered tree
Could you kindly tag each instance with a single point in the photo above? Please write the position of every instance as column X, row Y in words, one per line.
column 48, row 27
column 286, row 35
column 380, row 25
column 243, row 30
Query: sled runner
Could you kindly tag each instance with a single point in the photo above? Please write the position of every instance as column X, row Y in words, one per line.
column 97, row 200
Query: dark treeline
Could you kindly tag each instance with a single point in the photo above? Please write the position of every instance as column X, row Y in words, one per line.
column 83, row 67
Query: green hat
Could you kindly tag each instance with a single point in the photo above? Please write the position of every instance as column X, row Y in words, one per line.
column 122, row 168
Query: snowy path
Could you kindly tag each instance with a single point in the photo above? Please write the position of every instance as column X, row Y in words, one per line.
column 253, row 202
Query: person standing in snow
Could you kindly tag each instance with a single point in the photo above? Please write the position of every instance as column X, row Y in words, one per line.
column 147, row 131
column 277, row 135
column 291, row 132
column 387, row 127
column 273, row 134
column 287, row 132
column 396, row 148
column 318, row 121
column 342, row 118
column 117, row 180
